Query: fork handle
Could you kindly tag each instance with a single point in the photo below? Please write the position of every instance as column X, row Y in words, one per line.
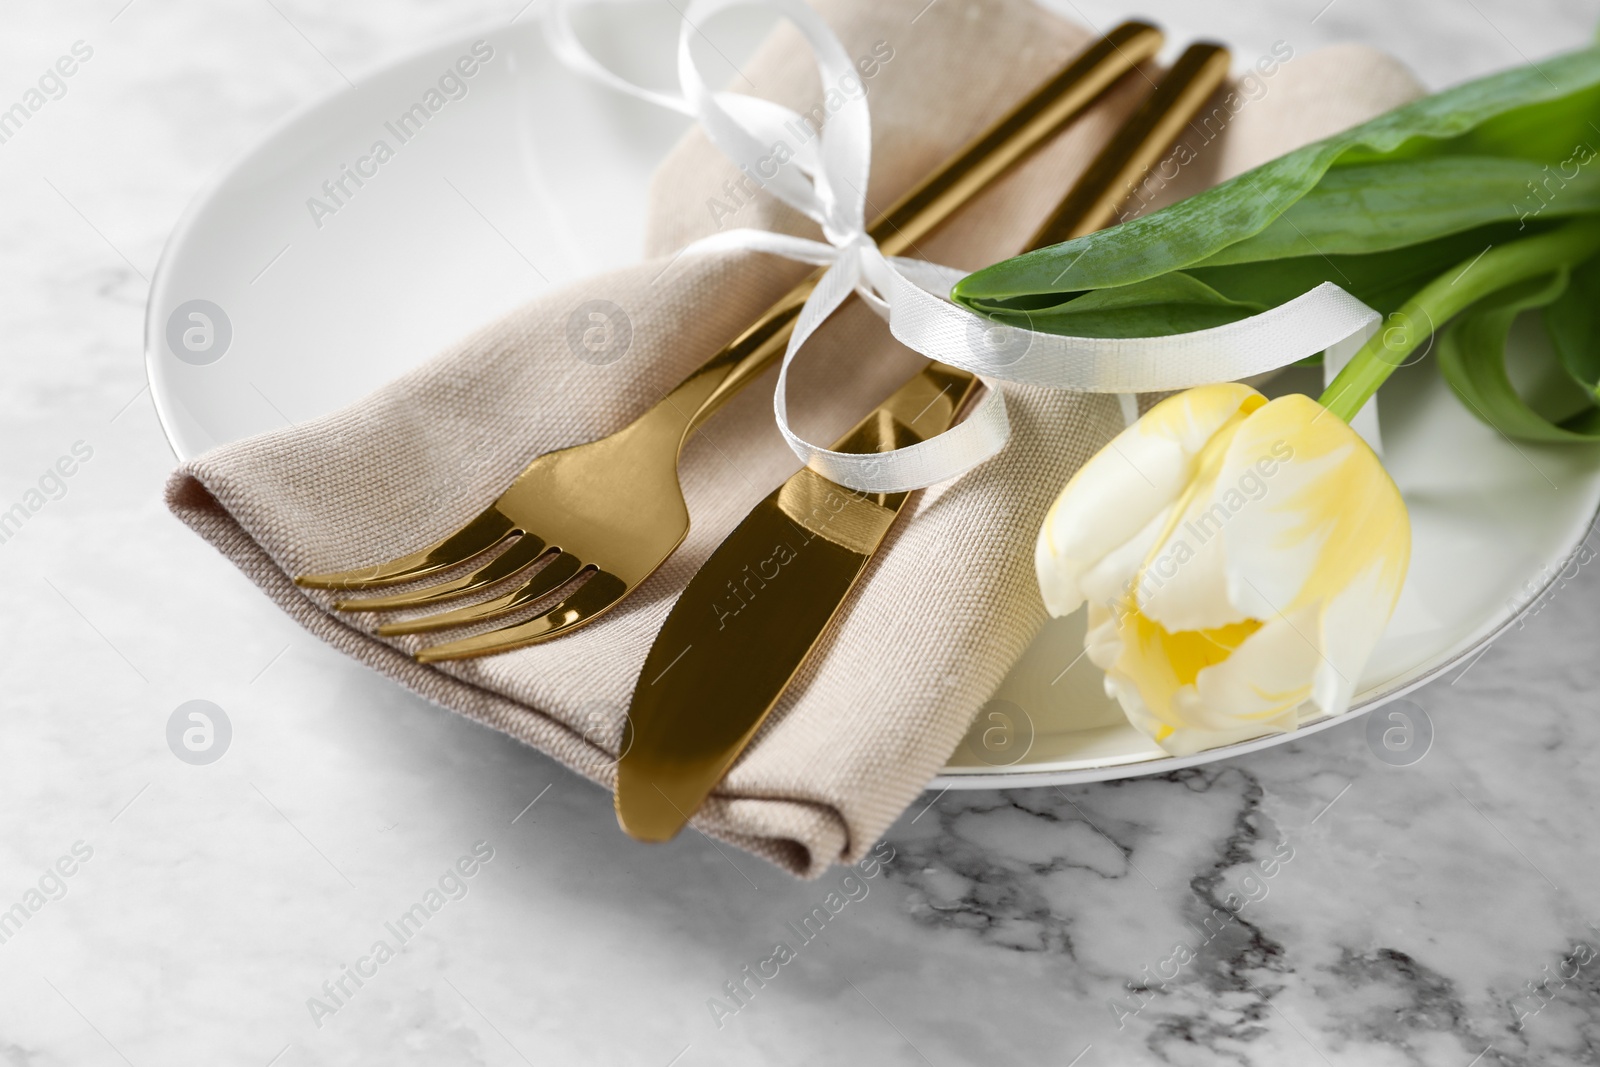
column 1032, row 122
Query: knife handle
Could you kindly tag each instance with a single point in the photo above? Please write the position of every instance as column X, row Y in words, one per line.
column 1105, row 186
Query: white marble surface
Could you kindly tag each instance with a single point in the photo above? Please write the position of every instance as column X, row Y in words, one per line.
column 1417, row 904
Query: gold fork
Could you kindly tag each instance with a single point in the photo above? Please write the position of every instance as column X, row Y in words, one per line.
column 613, row 509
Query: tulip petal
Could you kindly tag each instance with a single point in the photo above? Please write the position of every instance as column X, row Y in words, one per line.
column 1313, row 657
column 1256, row 691
column 1127, row 485
column 1259, row 588
column 1352, row 622
column 1156, row 671
column 1183, row 584
column 1329, row 512
column 1109, row 580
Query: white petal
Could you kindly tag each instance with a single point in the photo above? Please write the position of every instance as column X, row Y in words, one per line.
column 1260, row 687
column 1352, row 623
column 1110, row 580
column 1314, row 656
column 1327, row 510
column 1184, row 583
column 1115, row 495
column 1263, row 585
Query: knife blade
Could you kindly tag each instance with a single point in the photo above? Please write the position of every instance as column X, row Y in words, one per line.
column 747, row 620
column 750, row 616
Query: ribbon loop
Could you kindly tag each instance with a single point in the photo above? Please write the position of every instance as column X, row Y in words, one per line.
column 825, row 178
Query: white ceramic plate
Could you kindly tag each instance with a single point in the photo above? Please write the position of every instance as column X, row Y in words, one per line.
column 494, row 199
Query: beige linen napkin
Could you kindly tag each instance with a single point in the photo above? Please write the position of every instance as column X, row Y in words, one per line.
column 950, row 602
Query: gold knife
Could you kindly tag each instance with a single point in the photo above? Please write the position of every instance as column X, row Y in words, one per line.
column 747, row 620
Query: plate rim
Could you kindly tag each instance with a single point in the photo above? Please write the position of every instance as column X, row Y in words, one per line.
column 207, row 191
column 947, row 778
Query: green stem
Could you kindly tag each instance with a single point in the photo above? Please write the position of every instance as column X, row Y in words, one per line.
column 1447, row 296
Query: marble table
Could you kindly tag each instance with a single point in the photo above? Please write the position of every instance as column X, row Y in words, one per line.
column 1307, row 905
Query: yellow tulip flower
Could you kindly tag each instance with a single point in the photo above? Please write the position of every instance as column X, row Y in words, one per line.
column 1240, row 558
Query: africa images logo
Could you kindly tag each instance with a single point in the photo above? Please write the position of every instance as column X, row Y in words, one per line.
column 51, row 85
column 452, row 885
column 338, row 191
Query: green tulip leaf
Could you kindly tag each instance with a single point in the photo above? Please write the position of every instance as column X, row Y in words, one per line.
column 1472, row 357
column 1573, row 321
column 1371, row 209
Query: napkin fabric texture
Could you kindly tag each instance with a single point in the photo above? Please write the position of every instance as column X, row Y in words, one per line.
column 950, row 602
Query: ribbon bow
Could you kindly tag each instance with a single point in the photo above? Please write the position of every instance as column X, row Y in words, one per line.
column 826, row 180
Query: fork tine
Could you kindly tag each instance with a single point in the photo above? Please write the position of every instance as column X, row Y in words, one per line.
column 519, row 557
column 482, row 533
column 594, row 598
column 552, row 576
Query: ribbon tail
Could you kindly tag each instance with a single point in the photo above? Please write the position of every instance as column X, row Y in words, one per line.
column 926, row 321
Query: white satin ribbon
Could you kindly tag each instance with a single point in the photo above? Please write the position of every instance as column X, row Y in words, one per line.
column 826, row 180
